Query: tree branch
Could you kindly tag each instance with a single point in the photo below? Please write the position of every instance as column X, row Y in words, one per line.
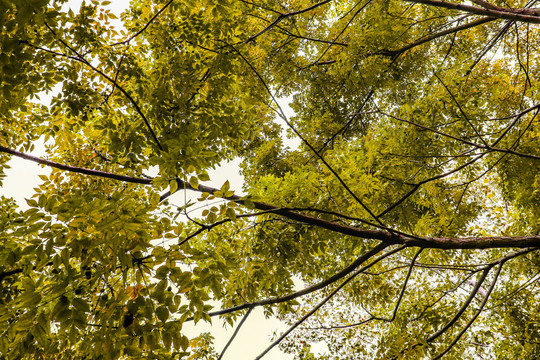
column 235, row 333
column 388, row 237
column 282, row 16
column 326, row 299
column 487, row 268
column 487, row 5
column 508, row 14
column 145, row 26
column 395, row 53
column 469, row 323
column 363, row 258
column 75, row 169
column 464, row 307
column 403, row 288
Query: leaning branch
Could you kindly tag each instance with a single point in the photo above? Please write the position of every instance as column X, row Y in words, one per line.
column 486, row 269
column 340, row 275
column 76, row 169
column 469, row 323
column 389, row 237
column 464, row 307
column 486, row 5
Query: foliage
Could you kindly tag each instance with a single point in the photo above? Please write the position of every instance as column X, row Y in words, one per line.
column 409, row 212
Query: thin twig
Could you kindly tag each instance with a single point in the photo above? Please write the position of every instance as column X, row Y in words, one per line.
column 235, row 333
column 460, row 109
column 282, row 16
column 144, row 27
column 81, row 59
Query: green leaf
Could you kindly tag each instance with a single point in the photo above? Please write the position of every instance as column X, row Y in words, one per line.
column 173, row 186
column 231, row 214
column 248, row 203
column 132, row 350
column 225, row 186
column 194, row 182
column 204, row 177
column 31, row 299
column 31, row 202
column 162, row 313
column 162, row 272
column 81, row 305
column 154, row 199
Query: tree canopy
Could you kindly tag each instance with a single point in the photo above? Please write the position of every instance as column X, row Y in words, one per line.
column 409, row 213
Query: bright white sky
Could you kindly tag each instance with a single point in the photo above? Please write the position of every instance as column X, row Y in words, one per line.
column 256, row 333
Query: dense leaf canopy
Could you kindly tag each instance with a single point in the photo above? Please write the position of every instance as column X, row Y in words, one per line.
column 409, row 213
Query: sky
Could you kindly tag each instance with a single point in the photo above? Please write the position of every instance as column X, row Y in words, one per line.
column 256, row 333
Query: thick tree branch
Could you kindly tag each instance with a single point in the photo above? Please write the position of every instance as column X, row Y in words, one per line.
column 387, row 236
column 75, row 169
column 486, row 269
column 486, row 5
column 469, row 323
column 464, row 307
